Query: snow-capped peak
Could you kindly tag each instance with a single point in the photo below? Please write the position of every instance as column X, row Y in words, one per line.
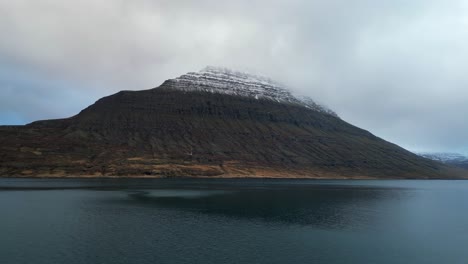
column 226, row 81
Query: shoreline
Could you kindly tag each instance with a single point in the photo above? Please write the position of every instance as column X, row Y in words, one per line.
column 231, row 177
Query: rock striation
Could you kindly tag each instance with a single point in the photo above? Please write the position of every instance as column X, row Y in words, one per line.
column 225, row 81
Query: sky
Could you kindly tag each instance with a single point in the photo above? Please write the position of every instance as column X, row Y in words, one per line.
column 396, row 68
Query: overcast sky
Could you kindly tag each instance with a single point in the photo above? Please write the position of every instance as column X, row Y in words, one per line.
column 396, row 68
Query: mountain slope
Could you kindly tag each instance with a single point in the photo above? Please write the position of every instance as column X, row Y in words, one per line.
column 212, row 123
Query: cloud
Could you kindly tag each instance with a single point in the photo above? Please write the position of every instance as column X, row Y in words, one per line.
column 396, row 68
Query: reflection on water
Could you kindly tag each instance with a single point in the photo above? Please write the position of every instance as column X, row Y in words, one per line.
column 184, row 194
column 321, row 206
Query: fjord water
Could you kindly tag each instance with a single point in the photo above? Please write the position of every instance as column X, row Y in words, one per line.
column 232, row 221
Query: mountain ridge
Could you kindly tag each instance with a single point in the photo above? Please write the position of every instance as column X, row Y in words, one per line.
column 453, row 159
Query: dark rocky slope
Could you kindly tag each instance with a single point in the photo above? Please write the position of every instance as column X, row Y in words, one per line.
column 168, row 131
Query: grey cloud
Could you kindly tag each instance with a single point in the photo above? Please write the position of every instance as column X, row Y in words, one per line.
column 396, row 68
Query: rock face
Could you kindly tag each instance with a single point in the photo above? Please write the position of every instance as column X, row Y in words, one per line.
column 215, row 122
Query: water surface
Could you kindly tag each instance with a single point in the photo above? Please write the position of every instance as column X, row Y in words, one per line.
column 232, row 221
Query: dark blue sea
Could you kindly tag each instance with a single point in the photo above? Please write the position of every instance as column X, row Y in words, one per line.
column 232, row 221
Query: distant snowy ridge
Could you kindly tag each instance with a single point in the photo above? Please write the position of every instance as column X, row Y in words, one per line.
column 444, row 157
column 452, row 159
column 226, row 81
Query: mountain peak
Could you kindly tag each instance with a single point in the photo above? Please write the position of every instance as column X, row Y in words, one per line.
column 226, row 81
column 212, row 123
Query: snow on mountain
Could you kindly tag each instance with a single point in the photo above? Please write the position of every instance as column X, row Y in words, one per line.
column 444, row 157
column 453, row 159
column 226, row 81
column 311, row 104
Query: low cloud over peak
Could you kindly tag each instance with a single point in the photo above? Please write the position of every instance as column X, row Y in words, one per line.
column 396, row 68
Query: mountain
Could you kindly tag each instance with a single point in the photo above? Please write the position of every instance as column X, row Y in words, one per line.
column 453, row 159
column 211, row 123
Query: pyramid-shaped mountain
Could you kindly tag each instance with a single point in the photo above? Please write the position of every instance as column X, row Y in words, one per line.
column 212, row 123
